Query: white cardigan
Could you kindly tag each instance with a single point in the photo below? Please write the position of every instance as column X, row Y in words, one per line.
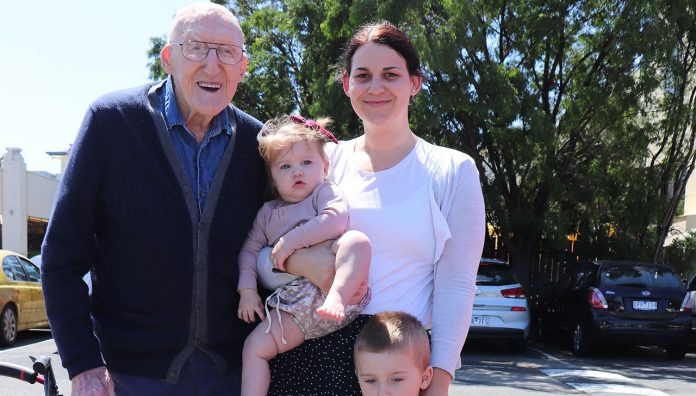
column 459, row 226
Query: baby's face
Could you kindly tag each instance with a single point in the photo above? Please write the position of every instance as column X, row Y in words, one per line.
column 391, row 373
column 297, row 171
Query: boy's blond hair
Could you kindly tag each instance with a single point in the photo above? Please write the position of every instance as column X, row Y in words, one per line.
column 394, row 332
column 282, row 132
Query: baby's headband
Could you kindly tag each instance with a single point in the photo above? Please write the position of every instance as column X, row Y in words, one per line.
column 311, row 124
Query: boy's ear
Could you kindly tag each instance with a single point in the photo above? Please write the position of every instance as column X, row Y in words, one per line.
column 426, row 377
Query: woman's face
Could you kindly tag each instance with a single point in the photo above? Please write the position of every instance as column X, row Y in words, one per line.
column 379, row 85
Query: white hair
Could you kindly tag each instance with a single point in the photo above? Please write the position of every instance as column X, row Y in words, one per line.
column 190, row 14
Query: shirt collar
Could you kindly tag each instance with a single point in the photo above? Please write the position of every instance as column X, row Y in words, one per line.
column 173, row 116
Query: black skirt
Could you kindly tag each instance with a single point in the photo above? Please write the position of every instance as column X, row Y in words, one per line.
column 320, row 366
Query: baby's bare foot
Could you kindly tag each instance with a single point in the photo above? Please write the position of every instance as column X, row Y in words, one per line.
column 333, row 308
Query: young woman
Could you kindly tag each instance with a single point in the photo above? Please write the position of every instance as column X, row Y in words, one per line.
column 422, row 209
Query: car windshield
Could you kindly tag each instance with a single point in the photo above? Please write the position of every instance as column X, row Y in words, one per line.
column 639, row 276
column 494, row 275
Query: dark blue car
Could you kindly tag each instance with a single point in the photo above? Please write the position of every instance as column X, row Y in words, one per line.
column 634, row 303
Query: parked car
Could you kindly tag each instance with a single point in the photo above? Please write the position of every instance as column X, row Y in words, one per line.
column 87, row 278
column 21, row 298
column 500, row 305
column 691, row 289
column 618, row 301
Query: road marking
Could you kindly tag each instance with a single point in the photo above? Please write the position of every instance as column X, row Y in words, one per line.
column 25, row 346
column 546, row 355
column 616, row 389
column 586, row 373
column 603, row 388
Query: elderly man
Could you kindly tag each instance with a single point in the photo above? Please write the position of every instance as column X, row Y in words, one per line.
column 161, row 188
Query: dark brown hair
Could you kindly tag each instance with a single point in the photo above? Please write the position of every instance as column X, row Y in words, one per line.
column 381, row 33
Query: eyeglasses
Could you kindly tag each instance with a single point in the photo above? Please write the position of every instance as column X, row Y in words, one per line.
column 198, row 50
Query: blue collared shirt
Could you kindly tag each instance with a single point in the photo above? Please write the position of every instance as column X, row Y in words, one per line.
column 200, row 161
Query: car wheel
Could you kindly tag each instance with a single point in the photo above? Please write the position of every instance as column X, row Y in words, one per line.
column 519, row 345
column 581, row 345
column 8, row 325
column 676, row 350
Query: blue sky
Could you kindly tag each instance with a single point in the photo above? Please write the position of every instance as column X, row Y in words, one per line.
column 56, row 57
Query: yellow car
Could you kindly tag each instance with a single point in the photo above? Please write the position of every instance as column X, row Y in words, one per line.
column 21, row 298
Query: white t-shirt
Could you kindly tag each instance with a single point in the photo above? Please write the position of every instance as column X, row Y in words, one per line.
column 426, row 239
column 392, row 207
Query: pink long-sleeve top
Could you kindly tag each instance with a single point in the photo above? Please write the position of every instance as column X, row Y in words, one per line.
column 321, row 216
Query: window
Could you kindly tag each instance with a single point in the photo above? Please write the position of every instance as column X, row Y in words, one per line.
column 31, row 270
column 13, row 269
column 639, row 276
column 494, row 275
column 7, row 269
column 692, row 284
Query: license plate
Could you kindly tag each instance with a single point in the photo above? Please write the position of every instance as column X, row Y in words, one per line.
column 639, row 305
column 480, row 321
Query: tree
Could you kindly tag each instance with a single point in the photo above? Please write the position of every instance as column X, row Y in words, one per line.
column 535, row 91
column 557, row 101
column 673, row 152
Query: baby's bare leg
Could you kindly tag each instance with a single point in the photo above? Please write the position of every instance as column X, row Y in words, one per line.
column 353, row 253
column 260, row 347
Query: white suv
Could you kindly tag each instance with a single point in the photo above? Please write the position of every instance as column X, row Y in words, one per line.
column 500, row 305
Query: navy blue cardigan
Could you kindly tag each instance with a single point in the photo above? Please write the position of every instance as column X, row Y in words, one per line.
column 165, row 277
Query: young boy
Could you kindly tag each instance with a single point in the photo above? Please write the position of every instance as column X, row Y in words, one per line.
column 392, row 356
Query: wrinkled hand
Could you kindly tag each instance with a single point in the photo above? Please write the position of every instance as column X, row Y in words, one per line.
column 280, row 253
column 250, row 305
column 93, row 382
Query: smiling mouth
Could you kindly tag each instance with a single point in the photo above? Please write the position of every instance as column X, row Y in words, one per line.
column 209, row 87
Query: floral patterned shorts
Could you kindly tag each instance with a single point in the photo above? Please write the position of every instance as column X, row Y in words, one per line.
column 300, row 298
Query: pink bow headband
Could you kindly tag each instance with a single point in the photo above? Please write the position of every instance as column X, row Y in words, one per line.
column 311, row 124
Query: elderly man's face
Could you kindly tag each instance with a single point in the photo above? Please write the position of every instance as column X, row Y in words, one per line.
column 203, row 89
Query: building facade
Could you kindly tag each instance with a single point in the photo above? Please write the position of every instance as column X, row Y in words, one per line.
column 26, row 199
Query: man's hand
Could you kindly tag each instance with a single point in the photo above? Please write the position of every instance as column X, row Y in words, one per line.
column 439, row 386
column 250, row 305
column 93, row 382
column 317, row 263
column 280, row 253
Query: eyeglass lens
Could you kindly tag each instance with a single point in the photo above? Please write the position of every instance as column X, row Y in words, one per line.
column 198, row 50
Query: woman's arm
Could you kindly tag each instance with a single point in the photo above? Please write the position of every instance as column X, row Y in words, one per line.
column 316, row 263
column 455, row 272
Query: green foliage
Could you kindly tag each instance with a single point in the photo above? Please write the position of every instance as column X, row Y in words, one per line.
column 155, row 63
column 578, row 113
column 682, row 255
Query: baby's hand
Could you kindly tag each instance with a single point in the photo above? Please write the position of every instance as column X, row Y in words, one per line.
column 249, row 305
column 279, row 254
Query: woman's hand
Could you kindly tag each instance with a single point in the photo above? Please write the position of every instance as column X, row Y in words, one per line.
column 439, row 386
column 250, row 305
column 317, row 263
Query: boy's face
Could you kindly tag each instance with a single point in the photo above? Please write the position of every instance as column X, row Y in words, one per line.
column 391, row 373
